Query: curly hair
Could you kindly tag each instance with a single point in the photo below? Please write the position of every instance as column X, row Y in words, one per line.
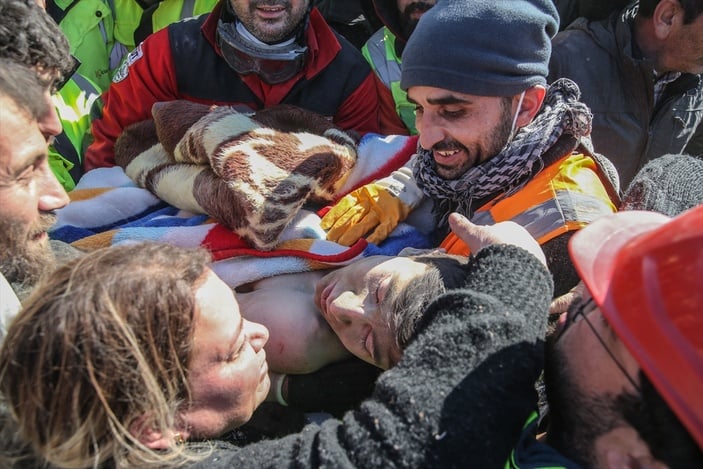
column 30, row 36
column 102, row 343
column 20, row 84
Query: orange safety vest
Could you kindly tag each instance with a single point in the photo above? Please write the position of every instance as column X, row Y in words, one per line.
column 565, row 196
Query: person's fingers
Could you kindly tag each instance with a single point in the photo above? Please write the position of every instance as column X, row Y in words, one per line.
column 561, row 304
column 358, row 229
column 382, row 231
column 344, row 222
column 337, row 215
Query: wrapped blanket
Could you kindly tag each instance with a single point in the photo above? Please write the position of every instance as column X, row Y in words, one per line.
column 251, row 173
column 108, row 207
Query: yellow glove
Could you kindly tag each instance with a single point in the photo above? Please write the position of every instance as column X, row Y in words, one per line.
column 371, row 207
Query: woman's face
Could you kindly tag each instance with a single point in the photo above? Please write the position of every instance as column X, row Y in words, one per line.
column 354, row 300
column 228, row 374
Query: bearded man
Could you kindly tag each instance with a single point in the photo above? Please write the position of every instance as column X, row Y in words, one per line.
column 495, row 142
column 29, row 191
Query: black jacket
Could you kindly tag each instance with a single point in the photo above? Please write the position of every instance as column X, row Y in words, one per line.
column 458, row 398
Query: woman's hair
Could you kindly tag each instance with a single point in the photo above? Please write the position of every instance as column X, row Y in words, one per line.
column 407, row 305
column 103, row 343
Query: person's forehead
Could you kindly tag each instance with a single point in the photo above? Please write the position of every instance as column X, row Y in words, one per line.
column 217, row 316
column 432, row 95
column 212, row 294
column 21, row 140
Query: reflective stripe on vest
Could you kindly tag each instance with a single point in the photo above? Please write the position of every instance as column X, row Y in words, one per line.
column 134, row 23
column 565, row 196
column 386, row 64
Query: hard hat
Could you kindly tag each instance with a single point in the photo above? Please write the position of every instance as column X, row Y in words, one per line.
column 645, row 272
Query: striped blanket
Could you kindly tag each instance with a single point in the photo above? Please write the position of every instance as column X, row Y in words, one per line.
column 107, row 207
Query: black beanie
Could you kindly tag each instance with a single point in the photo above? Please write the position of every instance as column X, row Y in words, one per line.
column 481, row 47
column 670, row 184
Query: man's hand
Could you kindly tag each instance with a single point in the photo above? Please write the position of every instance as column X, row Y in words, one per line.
column 371, row 208
column 478, row 237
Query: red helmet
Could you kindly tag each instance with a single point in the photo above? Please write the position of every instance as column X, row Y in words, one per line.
column 645, row 272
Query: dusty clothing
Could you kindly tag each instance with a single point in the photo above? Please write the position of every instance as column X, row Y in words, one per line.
column 183, row 61
column 618, row 87
column 461, row 393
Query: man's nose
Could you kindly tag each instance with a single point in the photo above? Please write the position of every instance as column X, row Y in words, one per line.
column 52, row 195
column 50, row 124
column 430, row 131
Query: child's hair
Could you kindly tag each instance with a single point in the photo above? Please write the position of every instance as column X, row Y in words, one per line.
column 445, row 272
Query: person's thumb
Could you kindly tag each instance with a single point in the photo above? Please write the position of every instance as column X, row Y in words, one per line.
column 478, row 237
column 473, row 235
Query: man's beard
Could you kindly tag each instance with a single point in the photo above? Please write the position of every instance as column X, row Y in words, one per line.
column 576, row 420
column 21, row 261
column 407, row 22
column 262, row 30
column 499, row 140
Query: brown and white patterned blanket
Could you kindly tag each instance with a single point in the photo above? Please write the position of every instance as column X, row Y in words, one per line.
column 108, row 207
column 252, row 173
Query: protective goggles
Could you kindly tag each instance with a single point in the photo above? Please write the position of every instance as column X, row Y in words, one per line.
column 272, row 65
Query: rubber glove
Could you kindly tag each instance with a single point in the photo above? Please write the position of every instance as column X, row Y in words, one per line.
column 375, row 208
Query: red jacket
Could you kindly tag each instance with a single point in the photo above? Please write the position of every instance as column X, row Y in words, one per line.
column 184, row 62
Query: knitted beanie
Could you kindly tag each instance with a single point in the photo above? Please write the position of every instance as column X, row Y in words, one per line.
column 481, row 47
column 670, row 184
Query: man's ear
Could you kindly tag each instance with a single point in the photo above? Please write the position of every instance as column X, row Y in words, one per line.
column 531, row 104
column 667, row 15
column 146, row 434
column 616, row 459
column 622, row 448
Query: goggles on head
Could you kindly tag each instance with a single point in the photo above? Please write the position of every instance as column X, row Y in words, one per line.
column 274, row 65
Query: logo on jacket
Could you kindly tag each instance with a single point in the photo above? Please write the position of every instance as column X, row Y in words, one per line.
column 123, row 71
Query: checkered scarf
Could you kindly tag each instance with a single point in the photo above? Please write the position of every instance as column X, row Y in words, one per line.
column 518, row 161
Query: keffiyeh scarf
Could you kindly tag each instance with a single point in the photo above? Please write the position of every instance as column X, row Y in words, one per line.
column 518, row 161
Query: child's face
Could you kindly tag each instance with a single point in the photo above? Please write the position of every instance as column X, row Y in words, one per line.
column 353, row 299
